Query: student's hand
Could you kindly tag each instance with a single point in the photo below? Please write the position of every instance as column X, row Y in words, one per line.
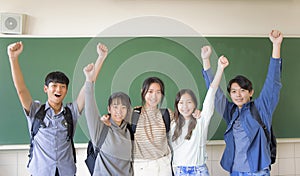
column 223, row 62
column 102, row 50
column 105, row 120
column 14, row 50
column 89, row 72
column 196, row 114
column 276, row 37
column 205, row 52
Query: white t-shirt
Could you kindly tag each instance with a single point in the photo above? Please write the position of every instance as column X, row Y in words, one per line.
column 193, row 152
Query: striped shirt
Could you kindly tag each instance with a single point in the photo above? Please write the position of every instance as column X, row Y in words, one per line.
column 150, row 138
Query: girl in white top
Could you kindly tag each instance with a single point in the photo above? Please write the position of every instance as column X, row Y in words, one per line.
column 189, row 135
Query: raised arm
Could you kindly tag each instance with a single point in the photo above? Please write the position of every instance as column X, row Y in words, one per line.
column 13, row 51
column 222, row 64
column 91, row 109
column 209, row 101
column 205, row 54
column 102, row 53
column 220, row 100
column 276, row 38
column 270, row 93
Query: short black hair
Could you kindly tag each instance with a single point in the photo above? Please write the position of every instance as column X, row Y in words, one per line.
column 56, row 77
column 242, row 81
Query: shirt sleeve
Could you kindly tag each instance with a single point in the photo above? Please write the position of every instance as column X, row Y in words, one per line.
column 92, row 113
column 270, row 93
column 220, row 98
column 208, row 107
column 35, row 105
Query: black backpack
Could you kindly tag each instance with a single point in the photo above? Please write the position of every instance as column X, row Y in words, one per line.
column 92, row 151
column 270, row 138
column 38, row 122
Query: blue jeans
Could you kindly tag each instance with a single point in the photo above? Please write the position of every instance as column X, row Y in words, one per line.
column 265, row 172
column 191, row 170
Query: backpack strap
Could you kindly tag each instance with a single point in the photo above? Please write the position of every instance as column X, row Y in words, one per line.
column 270, row 138
column 102, row 138
column 134, row 118
column 68, row 117
column 70, row 127
column 256, row 116
column 38, row 122
column 232, row 110
column 166, row 117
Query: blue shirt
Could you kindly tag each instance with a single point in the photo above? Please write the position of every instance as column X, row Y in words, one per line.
column 51, row 149
column 258, row 153
column 241, row 141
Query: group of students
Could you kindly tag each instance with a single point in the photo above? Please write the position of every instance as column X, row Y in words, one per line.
column 159, row 142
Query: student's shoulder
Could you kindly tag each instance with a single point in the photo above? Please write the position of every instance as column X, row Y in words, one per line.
column 72, row 106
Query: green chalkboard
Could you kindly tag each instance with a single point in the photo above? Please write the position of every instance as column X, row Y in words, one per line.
column 131, row 60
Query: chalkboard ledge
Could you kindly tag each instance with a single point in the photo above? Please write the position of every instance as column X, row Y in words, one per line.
column 84, row 145
column 26, row 146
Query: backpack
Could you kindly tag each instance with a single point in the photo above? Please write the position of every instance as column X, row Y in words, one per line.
column 38, row 122
column 270, row 138
column 92, row 151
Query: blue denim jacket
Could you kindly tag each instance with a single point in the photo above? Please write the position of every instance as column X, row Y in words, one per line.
column 258, row 153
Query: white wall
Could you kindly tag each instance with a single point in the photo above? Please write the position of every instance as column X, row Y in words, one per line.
column 13, row 159
column 208, row 17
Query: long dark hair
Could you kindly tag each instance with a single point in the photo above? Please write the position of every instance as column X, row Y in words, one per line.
column 179, row 119
column 146, row 85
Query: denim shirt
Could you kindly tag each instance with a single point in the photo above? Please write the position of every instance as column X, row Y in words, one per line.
column 51, row 149
column 258, row 154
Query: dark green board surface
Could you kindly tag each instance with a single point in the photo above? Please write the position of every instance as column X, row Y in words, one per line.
column 131, row 60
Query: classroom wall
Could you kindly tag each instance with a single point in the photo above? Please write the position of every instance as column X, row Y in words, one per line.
column 209, row 17
column 13, row 161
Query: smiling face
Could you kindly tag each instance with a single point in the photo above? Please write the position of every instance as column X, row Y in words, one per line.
column 186, row 105
column 153, row 91
column 56, row 93
column 153, row 96
column 240, row 90
column 240, row 96
column 118, row 111
column 119, row 107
